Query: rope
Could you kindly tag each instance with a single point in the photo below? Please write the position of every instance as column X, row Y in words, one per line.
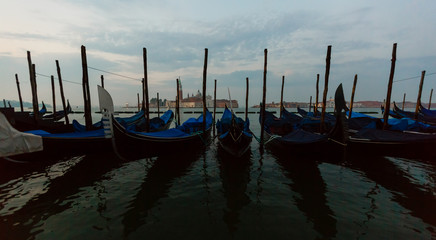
column 200, row 133
column 63, row 80
column 257, row 138
column 272, row 138
column 342, row 144
column 93, row 68
column 405, row 79
column 266, row 142
column 235, row 139
column 116, row 74
column 14, row 161
column 136, row 79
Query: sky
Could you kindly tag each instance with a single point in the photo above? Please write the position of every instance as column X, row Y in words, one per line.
column 176, row 33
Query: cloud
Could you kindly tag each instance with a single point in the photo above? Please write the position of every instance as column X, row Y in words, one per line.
column 176, row 33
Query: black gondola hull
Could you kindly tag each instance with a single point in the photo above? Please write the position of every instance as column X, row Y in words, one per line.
column 325, row 146
column 135, row 145
column 24, row 122
column 235, row 147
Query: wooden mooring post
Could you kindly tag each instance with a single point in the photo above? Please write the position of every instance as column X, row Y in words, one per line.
column 53, row 95
column 310, row 104
column 204, row 90
column 352, row 96
column 61, row 89
column 404, row 101
column 147, row 106
column 389, row 92
column 32, row 75
column 102, row 81
column 19, row 92
column 429, row 101
column 315, row 109
column 214, row 108
column 326, row 83
column 281, row 96
column 143, row 94
column 246, row 100
column 418, row 101
column 178, row 102
column 158, row 105
column 262, row 109
column 86, row 92
column 138, row 102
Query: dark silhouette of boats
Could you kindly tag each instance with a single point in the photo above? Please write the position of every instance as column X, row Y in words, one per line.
column 234, row 134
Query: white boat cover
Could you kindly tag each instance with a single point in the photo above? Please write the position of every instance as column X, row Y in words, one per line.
column 14, row 142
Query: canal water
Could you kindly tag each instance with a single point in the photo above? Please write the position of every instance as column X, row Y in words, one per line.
column 209, row 195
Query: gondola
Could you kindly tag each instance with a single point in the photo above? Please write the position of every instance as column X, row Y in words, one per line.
column 312, row 121
column 41, row 112
column 375, row 141
column 359, row 121
column 66, row 144
column 305, row 113
column 129, row 143
column 427, row 112
column 296, row 140
column 234, row 134
column 136, row 122
column 291, row 117
column 186, row 137
column 392, row 113
column 403, row 137
column 428, row 119
column 156, row 124
column 25, row 121
column 58, row 115
column 60, row 145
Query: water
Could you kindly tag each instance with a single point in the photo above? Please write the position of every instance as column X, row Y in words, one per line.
column 208, row 195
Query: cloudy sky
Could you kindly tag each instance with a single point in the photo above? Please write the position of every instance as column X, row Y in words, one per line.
column 175, row 33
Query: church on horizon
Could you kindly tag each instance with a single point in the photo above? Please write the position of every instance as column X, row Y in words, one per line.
column 196, row 101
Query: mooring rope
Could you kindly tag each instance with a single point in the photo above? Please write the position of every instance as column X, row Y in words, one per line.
column 257, row 138
column 272, row 138
column 335, row 141
column 267, row 141
column 63, row 80
column 200, row 133
column 410, row 78
column 116, row 74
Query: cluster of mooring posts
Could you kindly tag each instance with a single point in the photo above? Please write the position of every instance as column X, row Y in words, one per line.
column 37, row 121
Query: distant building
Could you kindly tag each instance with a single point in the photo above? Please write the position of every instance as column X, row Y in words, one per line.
column 220, row 103
column 331, row 104
column 196, row 101
column 285, row 104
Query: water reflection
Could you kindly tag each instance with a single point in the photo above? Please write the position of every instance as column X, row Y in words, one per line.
column 309, row 184
column 157, row 182
column 13, row 170
column 383, row 171
column 23, row 222
column 235, row 175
